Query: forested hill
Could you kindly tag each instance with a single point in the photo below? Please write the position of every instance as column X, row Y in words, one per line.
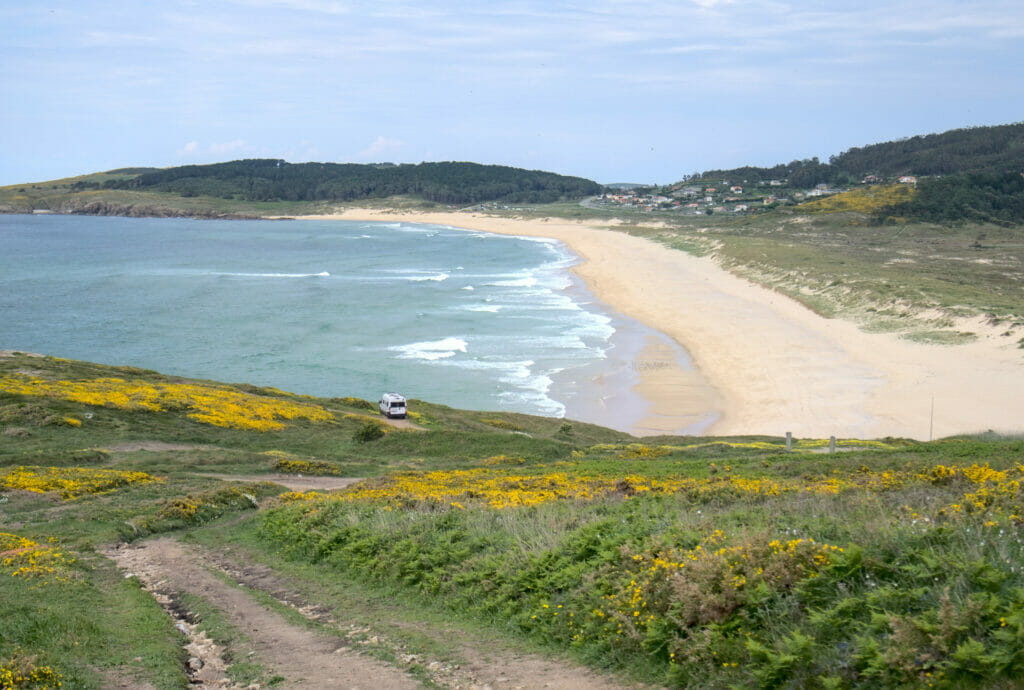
column 996, row 149
column 278, row 180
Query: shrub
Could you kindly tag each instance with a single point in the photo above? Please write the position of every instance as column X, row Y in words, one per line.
column 502, row 424
column 371, row 430
column 313, row 467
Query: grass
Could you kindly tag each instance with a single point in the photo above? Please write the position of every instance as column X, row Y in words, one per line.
column 404, row 624
column 691, row 562
column 837, row 579
column 914, row 279
column 93, row 630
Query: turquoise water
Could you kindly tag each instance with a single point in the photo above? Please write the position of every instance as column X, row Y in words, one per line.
column 327, row 308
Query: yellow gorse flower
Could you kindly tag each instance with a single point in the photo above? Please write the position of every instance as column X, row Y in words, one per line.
column 70, row 482
column 861, row 200
column 19, row 671
column 22, row 557
column 500, row 488
column 209, row 404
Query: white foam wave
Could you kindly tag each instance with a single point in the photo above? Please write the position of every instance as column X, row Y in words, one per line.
column 482, row 307
column 469, row 287
column 528, row 388
column 431, row 350
column 436, row 277
column 322, row 274
column 526, row 281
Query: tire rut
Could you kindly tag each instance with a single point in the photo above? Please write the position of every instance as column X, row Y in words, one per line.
column 309, row 659
column 493, row 669
column 304, row 658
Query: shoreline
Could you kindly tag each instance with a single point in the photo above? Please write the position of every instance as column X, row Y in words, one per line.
column 767, row 362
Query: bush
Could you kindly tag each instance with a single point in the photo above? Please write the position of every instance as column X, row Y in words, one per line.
column 369, row 431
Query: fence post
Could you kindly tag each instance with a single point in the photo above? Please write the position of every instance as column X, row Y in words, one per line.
column 831, row 444
column 789, row 441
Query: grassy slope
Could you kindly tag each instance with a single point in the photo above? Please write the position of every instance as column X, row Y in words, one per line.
column 35, row 433
column 953, row 602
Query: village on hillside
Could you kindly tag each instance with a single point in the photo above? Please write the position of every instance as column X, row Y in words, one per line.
column 705, row 197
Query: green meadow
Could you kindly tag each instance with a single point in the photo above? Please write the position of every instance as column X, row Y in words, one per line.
column 675, row 561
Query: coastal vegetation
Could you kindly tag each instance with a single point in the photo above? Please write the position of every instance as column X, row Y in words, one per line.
column 278, row 180
column 996, row 198
column 971, row 150
column 676, row 561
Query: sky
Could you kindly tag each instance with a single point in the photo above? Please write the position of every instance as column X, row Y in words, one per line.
column 642, row 91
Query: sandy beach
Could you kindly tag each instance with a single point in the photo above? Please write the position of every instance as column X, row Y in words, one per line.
column 763, row 362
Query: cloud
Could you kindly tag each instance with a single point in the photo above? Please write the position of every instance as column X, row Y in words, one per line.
column 228, row 146
column 710, row 4
column 195, row 149
column 381, row 146
column 317, row 6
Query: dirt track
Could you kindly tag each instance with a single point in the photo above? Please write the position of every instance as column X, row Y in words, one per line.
column 294, row 482
column 328, row 657
column 303, row 657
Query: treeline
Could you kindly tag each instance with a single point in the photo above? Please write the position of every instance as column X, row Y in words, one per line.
column 278, row 180
column 973, row 150
column 976, row 197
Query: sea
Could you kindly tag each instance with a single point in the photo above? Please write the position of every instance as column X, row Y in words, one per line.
column 326, row 308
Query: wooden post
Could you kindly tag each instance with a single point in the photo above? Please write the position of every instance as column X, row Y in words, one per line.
column 831, row 444
column 789, row 441
column 931, row 420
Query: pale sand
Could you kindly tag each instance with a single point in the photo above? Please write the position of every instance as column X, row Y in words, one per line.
column 766, row 362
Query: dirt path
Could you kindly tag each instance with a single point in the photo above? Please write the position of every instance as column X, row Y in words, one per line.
column 307, row 658
column 402, row 424
column 292, row 481
column 303, row 657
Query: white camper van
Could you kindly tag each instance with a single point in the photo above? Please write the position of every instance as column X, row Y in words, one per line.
column 392, row 405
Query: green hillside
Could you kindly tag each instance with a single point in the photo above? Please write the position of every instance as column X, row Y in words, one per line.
column 278, row 180
column 261, row 187
column 996, row 149
column 686, row 562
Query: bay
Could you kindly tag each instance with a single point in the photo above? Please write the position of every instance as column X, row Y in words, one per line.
column 326, row 308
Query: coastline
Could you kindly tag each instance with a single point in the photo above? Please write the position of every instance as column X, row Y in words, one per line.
column 769, row 364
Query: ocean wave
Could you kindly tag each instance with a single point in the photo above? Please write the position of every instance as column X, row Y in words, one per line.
column 482, row 307
column 469, row 287
column 322, row 274
column 436, row 277
column 525, row 281
column 528, row 387
column 597, row 326
column 431, row 350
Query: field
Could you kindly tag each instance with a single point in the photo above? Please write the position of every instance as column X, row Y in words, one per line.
column 484, row 541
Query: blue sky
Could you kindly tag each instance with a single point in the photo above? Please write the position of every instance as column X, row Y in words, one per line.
column 639, row 91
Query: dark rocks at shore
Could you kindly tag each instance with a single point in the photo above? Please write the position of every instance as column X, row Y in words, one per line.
column 106, row 208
